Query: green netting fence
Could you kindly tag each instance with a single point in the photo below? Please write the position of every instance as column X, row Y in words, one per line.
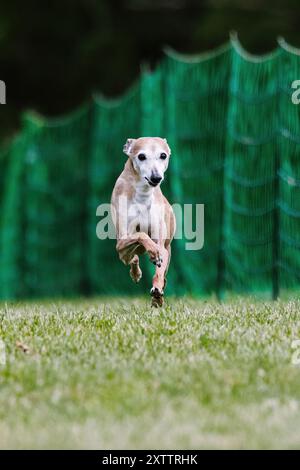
column 235, row 139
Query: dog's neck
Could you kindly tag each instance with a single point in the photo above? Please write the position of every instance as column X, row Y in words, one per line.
column 143, row 192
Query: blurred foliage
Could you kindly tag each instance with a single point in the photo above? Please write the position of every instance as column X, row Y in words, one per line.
column 54, row 54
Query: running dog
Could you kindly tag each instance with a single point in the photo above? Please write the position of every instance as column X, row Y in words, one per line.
column 143, row 218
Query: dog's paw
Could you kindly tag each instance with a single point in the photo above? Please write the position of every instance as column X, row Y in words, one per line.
column 157, row 297
column 155, row 255
column 158, row 262
column 157, row 302
column 156, row 259
column 136, row 273
column 156, row 292
column 136, row 277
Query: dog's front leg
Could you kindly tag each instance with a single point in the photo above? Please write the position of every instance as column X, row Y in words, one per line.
column 159, row 278
column 127, row 247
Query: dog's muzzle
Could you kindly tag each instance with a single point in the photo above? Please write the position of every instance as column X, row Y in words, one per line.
column 154, row 180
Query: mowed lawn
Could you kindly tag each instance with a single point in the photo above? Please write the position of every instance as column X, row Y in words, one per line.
column 114, row 373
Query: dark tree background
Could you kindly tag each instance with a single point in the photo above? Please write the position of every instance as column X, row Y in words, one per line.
column 55, row 53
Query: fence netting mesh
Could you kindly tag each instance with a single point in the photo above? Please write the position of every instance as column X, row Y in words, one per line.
column 235, row 138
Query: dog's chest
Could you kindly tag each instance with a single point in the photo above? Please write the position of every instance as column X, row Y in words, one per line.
column 141, row 211
column 138, row 218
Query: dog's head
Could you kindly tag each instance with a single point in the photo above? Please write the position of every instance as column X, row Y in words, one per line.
column 150, row 157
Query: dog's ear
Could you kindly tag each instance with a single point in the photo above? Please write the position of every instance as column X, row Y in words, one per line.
column 165, row 140
column 128, row 146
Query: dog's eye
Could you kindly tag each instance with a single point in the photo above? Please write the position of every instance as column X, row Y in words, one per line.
column 142, row 156
column 163, row 156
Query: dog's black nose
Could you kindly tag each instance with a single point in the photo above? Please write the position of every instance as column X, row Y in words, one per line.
column 155, row 180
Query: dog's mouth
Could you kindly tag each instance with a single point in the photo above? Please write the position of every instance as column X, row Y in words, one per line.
column 150, row 182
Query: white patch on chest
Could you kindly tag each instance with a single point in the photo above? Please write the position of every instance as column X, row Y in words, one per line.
column 144, row 215
column 139, row 209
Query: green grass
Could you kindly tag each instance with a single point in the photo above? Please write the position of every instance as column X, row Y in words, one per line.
column 115, row 374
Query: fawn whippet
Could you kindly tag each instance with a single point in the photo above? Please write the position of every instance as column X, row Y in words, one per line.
column 143, row 218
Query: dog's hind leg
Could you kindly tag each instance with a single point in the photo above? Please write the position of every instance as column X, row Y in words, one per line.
column 135, row 270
